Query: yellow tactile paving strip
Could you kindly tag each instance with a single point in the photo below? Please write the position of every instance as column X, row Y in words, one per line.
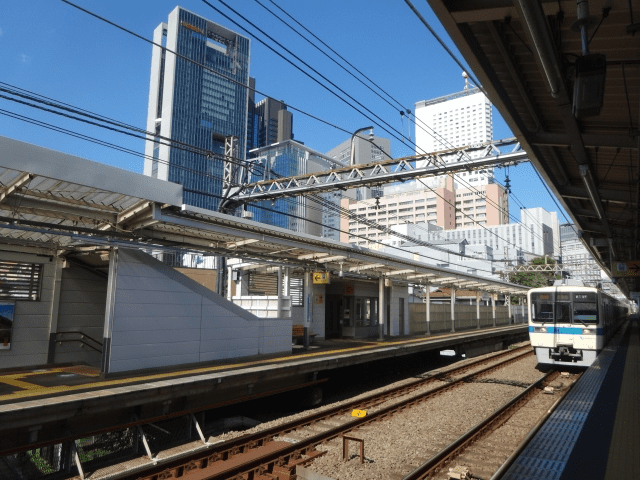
column 30, row 390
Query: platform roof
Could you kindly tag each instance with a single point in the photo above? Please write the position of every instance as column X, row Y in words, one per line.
column 521, row 51
column 53, row 200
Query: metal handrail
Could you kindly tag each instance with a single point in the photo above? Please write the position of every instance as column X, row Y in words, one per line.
column 81, row 339
column 80, row 333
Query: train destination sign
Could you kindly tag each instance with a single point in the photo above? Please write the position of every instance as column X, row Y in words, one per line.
column 626, row 269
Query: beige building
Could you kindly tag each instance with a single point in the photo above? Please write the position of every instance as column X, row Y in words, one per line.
column 445, row 207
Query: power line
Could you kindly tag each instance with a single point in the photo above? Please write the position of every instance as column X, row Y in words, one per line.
column 239, row 83
column 125, row 150
column 316, row 80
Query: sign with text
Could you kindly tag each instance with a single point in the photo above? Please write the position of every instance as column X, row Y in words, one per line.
column 321, row 278
column 626, row 269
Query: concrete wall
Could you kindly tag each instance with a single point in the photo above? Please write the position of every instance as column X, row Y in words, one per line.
column 32, row 320
column 82, row 304
column 158, row 317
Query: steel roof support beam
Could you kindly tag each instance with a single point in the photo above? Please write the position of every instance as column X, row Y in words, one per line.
column 14, row 185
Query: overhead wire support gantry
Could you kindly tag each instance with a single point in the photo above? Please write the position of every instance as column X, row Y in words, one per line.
column 485, row 155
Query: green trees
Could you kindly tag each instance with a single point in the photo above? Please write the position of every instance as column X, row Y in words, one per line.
column 540, row 273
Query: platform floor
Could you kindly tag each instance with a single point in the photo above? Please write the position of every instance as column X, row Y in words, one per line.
column 38, row 383
column 595, row 431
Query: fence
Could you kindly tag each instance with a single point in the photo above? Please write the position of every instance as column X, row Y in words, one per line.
column 466, row 317
column 264, row 306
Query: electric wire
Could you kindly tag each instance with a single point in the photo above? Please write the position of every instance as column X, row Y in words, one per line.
column 103, row 143
column 217, row 73
column 316, row 80
column 306, row 64
column 91, row 115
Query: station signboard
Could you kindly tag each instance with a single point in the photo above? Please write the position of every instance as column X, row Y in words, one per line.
column 626, row 269
column 321, row 278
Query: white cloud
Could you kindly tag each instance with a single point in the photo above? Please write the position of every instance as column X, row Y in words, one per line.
column 25, row 58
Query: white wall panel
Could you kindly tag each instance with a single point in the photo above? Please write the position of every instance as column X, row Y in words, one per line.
column 163, row 318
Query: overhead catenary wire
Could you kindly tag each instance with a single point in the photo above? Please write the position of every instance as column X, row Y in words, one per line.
column 75, row 134
column 213, row 71
column 317, row 81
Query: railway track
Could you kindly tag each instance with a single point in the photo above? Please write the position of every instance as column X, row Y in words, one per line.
column 276, row 452
column 481, row 452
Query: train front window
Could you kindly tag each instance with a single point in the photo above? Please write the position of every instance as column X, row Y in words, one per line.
column 563, row 312
column 543, row 312
column 585, row 312
column 542, row 307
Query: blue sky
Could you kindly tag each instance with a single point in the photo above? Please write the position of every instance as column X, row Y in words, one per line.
column 53, row 49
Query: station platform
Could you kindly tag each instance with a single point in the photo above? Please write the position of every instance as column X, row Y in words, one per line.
column 595, row 431
column 44, row 405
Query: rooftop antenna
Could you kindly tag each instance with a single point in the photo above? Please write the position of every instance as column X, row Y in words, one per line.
column 465, row 75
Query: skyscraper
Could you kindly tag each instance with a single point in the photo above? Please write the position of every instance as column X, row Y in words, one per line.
column 303, row 213
column 196, row 106
column 456, row 120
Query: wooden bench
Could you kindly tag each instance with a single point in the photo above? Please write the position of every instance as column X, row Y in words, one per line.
column 297, row 333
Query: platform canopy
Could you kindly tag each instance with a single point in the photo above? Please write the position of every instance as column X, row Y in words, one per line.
column 530, row 59
column 59, row 202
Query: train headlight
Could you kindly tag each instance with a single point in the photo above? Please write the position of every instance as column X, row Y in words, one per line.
column 543, row 329
column 586, row 331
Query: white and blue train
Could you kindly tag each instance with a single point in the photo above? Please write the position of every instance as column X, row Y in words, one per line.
column 570, row 325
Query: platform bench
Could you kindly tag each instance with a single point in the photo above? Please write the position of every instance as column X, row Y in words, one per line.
column 297, row 333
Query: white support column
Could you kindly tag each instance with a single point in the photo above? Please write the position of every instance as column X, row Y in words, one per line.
column 493, row 307
column 428, row 309
column 478, row 297
column 229, row 283
column 453, row 309
column 507, row 298
column 287, row 279
column 279, row 290
column 381, row 308
column 307, row 307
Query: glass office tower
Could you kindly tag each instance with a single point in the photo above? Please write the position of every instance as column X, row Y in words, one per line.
column 196, row 106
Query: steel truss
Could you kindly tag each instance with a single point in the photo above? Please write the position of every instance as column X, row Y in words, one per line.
column 481, row 156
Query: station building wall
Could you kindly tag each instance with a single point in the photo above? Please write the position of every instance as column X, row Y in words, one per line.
column 32, row 321
column 82, row 303
column 158, row 317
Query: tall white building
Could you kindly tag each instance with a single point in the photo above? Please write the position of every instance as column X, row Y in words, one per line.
column 456, row 120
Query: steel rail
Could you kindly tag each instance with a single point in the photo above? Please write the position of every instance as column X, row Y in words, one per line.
column 443, row 458
column 509, row 461
column 290, row 456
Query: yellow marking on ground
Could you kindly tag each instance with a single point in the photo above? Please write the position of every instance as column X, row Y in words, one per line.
column 20, row 384
column 35, row 391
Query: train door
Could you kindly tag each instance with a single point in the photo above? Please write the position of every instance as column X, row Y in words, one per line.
column 562, row 318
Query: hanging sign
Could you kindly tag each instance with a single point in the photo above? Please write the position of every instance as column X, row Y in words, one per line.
column 626, row 269
column 321, row 278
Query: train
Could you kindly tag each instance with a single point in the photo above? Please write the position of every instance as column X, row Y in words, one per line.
column 569, row 325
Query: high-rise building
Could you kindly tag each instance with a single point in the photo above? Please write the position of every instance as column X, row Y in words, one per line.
column 275, row 122
column 444, row 206
column 301, row 214
column 456, row 120
column 367, row 149
column 195, row 106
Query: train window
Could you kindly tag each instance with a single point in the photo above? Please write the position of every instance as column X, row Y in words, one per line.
column 585, row 312
column 563, row 312
column 543, row 312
